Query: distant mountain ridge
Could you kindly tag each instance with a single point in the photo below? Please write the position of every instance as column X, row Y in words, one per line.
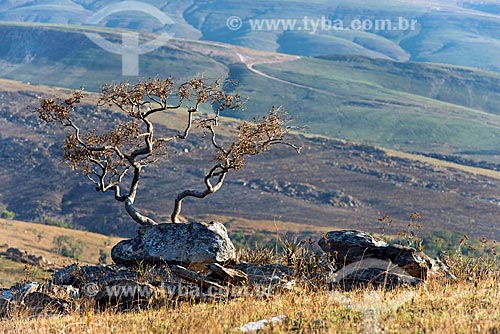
column 461, row 33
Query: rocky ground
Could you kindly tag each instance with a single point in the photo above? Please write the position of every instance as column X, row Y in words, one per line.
column 332, row 183
column 151, row 273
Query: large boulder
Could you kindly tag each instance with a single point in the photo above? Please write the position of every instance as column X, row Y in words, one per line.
column 193, row 245
column 350, row 248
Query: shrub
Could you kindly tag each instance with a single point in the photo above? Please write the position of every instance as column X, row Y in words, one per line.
column 6, row 214
column 54, row 221
column 68, row 246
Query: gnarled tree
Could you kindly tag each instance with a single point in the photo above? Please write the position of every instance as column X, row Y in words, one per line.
column 110, row 159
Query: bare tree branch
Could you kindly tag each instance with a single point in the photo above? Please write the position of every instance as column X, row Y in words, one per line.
column 106, row 158
column 253, row 138
column 210, row 189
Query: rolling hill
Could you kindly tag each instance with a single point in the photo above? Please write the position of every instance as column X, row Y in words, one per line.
column 44, row 240
column 409, row 106
column 461, row 33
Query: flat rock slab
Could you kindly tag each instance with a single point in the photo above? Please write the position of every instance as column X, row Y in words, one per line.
column 192, row 245
column 228, row 275
column 376, row 278
column 373, row 273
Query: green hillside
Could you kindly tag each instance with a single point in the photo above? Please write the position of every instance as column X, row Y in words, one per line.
column 406, row 105
column 63, row 56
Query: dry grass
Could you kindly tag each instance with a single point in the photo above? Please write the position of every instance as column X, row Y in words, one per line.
column 462, row 307
column 469, row 305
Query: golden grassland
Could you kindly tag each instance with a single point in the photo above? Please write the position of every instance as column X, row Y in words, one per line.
column 469, row 305
column 466, row 306
column 39, row 240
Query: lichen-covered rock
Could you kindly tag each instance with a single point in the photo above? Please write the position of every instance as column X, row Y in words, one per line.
column 348, row 246
column 40, row 303
column 193, row 245
column 32, row 299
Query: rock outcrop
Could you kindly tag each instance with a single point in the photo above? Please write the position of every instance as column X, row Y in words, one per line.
column 123, row 288
column 20, row 256
column 344, row 259
column 362, row 259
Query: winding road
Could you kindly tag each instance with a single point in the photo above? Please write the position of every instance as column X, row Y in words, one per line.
column 249, row 63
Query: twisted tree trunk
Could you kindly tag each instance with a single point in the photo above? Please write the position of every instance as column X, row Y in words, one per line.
column 200, row 194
